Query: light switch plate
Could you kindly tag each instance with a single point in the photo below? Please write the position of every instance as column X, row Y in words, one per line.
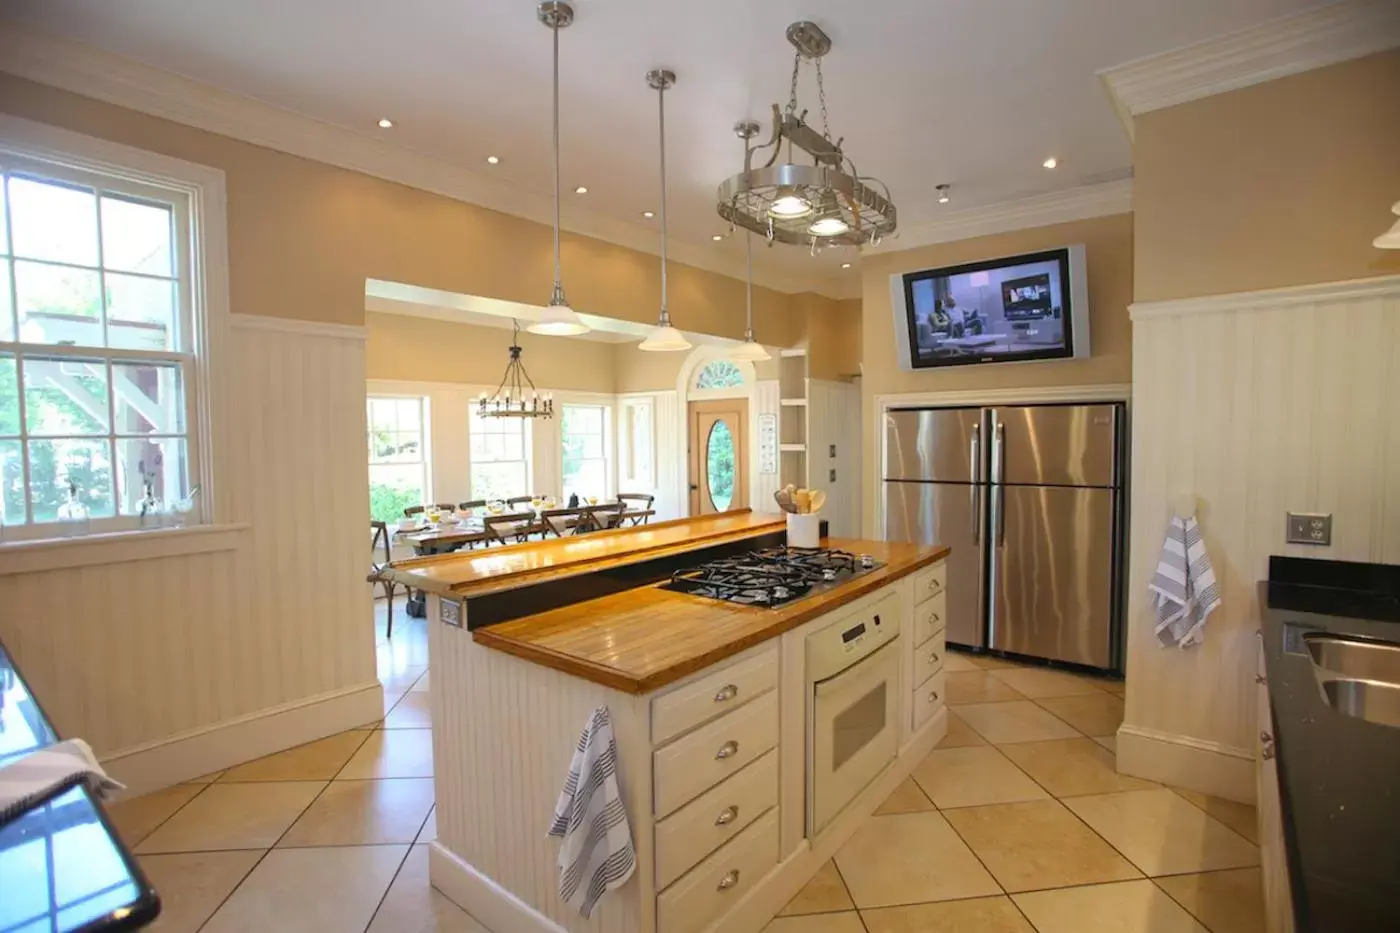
column 451, row 612
column 1310, row 528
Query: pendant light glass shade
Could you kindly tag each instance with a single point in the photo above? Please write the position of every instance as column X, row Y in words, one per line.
column 663, row 337
column 749, row 352
column 558, row 320
column 1391, row 238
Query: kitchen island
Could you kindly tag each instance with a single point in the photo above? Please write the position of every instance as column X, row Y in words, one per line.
column 724, row 716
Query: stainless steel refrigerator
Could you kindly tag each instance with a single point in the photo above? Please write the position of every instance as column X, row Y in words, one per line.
column 1030, row 499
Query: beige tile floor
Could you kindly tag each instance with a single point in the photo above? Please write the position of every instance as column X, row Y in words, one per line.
column 1016, row 823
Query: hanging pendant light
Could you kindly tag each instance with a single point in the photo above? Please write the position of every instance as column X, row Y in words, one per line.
column 750, row 351
column 558, row 319
column 1391, row 238
column 663, row 337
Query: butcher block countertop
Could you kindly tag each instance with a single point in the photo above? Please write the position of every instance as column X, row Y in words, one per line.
column 645, row 638
column 473, row 573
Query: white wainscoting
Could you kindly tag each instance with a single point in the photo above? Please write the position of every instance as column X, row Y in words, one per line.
column 178, row 665
column 1256, row 404
column 833, row 420
column 762, row 485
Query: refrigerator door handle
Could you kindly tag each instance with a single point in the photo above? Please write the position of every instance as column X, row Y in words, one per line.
column 976, row 490
column 999, row 456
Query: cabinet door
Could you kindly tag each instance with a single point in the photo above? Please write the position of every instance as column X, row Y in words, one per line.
column 1273, row 859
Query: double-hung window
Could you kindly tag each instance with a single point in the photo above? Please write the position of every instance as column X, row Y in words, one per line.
column 584, row 433
column 97, row 350
column 500, row 457
column 398, row 462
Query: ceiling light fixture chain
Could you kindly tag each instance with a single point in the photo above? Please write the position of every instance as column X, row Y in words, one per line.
column 511, row 400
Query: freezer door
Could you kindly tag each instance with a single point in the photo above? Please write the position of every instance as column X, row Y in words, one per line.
column 939, row 444
column 1052, row 572
column 1057, row 445
column 951, row 514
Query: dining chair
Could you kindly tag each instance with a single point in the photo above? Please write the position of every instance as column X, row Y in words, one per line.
column 413, row 510
column 379, row 537
column 520, row 500
column 643, row 504
column 510, row 528
column 603, row 517
column 472, row 504
column 560, row 522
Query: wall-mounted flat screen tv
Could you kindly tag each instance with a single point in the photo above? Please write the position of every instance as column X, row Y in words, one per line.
column 1020, row 308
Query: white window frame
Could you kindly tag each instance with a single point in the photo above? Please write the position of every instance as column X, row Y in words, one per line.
column 198, row 194
column 425, row 460
column 526, row 448
column 607, row 428
column 636, row 470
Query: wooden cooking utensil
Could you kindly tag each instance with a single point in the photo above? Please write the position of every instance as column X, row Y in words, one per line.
column 803, row 500
column 818, row 500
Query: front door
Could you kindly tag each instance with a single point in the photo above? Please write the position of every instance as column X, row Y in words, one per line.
column 718, row 446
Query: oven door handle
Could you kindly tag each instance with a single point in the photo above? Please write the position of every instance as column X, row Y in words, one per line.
column 866, row 669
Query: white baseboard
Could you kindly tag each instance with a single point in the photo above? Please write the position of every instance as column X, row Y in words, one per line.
column 151, row 766
column 1208, row 767
column 499, row 909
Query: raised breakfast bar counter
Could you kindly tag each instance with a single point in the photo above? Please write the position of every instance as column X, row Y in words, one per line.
column 723, row 716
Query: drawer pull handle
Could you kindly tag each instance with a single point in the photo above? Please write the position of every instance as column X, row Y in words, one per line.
column 933, row 618
column 1259, row 679
column 727, row 750
column 726, row 693
column 933, row 697
column 730, row 879
column 727, row 816
column 1267, row 752
column 934, row 586
column 933, row 657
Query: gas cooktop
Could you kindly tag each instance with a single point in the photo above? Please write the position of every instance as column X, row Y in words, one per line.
column 773, row 576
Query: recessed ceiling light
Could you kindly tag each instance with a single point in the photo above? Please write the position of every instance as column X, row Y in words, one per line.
column 942, row 193
column 386, row 124
column 492, row 160
column 845, row 265
column 717, row 237
column 1050, row 162
column 581, row 189
column 648, row 214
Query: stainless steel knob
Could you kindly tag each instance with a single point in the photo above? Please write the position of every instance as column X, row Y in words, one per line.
column 726, row 693
column 730, row 879
column 933, row 697
column 727, row 750
column 727, row 816
column 933, row 657
column 1267, row 741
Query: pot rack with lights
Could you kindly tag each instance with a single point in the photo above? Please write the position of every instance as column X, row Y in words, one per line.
column 826, row 203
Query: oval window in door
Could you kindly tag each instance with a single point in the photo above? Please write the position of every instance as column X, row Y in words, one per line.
column 719, row 465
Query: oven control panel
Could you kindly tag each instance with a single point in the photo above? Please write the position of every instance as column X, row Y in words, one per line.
column 835, row 647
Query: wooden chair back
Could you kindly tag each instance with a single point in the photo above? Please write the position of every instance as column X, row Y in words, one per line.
column 510, row 527
column 520, row 500
column 472, row 504
column 413, row 510
column 561, row 522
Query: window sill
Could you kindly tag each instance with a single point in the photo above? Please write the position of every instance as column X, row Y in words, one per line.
column 116, row 547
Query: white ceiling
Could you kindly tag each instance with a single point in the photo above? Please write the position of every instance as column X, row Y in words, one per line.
column 974, row 94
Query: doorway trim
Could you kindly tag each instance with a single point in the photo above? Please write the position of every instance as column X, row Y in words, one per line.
column 686, row 393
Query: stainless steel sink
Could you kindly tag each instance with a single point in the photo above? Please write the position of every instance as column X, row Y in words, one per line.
column 1370, row 700
column 1355, row 658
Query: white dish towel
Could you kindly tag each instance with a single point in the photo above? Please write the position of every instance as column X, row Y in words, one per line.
column 1184, row 586
column 597, row 855
column 40, row 774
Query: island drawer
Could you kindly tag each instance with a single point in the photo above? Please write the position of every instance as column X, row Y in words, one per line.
column 930, row 617
column 928, row 699
column 928, row 657
column 712, row 888
column 930, row 581
column 713, row 695
column 691, row 765
column 712, row 819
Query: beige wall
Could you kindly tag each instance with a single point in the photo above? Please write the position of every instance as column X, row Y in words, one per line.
column 304, row 236
column 830, row 329
column 419, row 349
column 1108, row 243
column 1283, row 183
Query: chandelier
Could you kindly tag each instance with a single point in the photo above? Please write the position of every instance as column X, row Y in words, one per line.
column 826, row 203
column 516, row 396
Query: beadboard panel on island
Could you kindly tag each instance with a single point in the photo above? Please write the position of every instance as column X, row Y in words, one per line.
column 178, row 665
column 1255, row 404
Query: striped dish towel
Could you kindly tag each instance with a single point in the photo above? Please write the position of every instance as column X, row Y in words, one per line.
column 597, row 855
column 43, row 773
column 1184, row 586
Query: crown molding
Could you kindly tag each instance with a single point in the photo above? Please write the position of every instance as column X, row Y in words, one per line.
column 92, row 72
column 1057, row 207
column 1288, row 45
column 1273, row 299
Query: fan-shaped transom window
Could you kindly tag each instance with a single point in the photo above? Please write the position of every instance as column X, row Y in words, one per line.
column 719, row 374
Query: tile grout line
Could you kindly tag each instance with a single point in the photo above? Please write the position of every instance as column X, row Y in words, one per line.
column 132, row 845
column 847, row 888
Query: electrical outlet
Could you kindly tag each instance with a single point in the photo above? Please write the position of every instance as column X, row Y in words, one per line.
column 832, row 477
column 1310, row 528
column 833, row 451
column 450, row 611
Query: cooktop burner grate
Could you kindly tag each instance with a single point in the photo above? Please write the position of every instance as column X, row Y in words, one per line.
column 770, row 577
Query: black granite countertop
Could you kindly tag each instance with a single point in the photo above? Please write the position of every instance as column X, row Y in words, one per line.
column 1339, row 776
column 63, row 869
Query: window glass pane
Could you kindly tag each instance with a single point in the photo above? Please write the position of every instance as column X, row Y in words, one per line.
column 721, row 374
column 584, row 478
column 83, row 464
column 393, row 489
column 7, row 317
column 159, row 462
column 140, row 312
column 719, row 465
column 65, row 397
column 54, row 221
column 11, row 484
column 381, row 414
column 148, row 399
column 57, row 304
column 592, row 446
column 498, row 480
column 514, row 448
column 410, row 414
column 4, row 227
column 9, row 397
column 136, row 237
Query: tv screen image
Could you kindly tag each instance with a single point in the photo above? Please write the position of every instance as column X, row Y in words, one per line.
column 1014, row 309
